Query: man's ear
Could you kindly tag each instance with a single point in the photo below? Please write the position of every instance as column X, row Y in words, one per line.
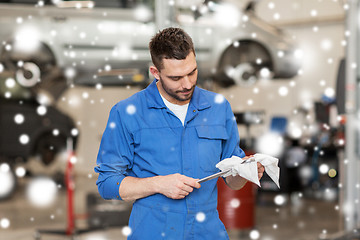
column 154, row 71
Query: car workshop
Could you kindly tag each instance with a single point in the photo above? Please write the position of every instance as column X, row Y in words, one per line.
column 287, row 69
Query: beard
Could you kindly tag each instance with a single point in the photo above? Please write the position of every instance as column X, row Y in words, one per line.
column 179, row 94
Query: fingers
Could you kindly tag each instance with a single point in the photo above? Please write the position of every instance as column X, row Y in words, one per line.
column 177, row 186
column 186, row 188
column 181, row 191
column 191, row 182
column 260, row 167
column 247, row 157
column 180, row 194
column 261, row 170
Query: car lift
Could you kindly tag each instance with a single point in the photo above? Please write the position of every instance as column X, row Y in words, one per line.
column 70, row 230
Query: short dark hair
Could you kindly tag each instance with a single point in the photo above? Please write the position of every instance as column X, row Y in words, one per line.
column 170, row 43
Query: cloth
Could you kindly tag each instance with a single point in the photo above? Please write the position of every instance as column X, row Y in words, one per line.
column 249, row 170
column 143, row 138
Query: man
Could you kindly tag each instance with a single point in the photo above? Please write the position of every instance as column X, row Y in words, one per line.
column 161, row 140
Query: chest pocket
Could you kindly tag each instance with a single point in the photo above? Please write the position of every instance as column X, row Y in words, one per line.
column 157, row 151
column 210, row 139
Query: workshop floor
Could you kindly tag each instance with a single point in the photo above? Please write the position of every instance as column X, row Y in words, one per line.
column 299, row 219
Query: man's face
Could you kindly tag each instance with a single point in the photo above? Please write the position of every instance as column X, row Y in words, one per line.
column 177, row 79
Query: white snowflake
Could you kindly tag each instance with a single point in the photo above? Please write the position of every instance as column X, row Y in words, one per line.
column 112, row 125
column 283, row 91
column 41, row 192
column 280, row 200
column 200, row 217
column 235, row 203
column 254, row 234
column 131, row 109
column 10, row 82
column 85, row 95
column 20, row 171
column 41, row 110
column 19, row 118
column 74, row 132
column 219, row 99
column 24, row 139
column 4, row 223
column 126, row 231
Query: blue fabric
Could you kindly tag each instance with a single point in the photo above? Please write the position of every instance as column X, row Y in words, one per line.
column 143, row 138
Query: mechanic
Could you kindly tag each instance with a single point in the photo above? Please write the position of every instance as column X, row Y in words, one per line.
column 160, row 141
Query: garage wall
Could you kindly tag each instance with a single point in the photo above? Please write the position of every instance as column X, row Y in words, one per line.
column 318, row 27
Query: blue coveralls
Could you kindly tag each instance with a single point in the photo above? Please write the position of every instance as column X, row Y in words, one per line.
column 143, row 138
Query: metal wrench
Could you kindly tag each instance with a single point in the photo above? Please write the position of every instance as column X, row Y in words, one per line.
column 219, row 174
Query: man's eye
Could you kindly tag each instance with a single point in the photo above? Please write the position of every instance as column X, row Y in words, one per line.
column 176, row 78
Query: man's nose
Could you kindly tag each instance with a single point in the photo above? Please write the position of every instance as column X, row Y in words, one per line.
column 186, row 83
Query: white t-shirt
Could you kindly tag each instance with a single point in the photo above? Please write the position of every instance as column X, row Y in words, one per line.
column 179, row 110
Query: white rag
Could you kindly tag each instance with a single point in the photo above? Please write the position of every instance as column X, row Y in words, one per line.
column 249, row 170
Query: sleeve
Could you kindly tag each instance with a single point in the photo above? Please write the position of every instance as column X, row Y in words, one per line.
column 231, row 146
column 115, row 156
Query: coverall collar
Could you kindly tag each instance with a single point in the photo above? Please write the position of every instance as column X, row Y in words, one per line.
column 154, row 99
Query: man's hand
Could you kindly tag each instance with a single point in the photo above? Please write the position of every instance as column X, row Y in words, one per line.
column 176, row 186
column 261, row 170
column 260, row 167
column 237, row 182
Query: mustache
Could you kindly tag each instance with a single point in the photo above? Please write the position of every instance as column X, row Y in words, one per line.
column 186, row 90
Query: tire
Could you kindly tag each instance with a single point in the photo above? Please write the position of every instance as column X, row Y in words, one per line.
column 239, row 66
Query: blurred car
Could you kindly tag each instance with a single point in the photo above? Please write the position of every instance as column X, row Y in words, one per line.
column 106, row 41
column 28, row 129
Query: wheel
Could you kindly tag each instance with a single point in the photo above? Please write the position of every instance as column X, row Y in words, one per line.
column 241, row 74
column 29, row 68
column 28, row 75
column 241, row 64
